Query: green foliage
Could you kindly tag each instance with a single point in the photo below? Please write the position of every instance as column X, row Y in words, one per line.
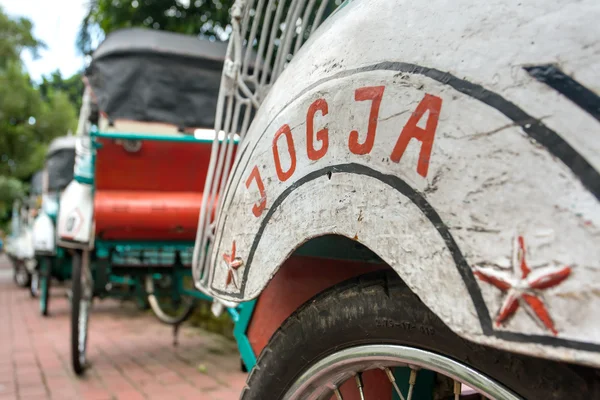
column 19, row 104
column 72, row 87
column 206, row 17
column 10, row 189
column 29, row 117
column 16, row 36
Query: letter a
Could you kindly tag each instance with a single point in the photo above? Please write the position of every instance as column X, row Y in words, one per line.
column 429, row 103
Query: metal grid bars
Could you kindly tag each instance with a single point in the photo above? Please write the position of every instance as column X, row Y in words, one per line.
column 149, row 257
column 265, row 36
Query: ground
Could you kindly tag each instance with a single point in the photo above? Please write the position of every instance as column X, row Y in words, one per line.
column 131, row 353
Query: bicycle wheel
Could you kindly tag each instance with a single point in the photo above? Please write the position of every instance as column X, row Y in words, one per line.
column 45, row 275
column 371, row 337
column 82, row 292
column 169, row 309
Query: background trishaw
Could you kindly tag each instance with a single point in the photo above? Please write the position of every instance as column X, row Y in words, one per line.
column 19, row 247
column 130, row 214
column 36, row 187
column 53, row 262
column 20, row 242
column 415, row 205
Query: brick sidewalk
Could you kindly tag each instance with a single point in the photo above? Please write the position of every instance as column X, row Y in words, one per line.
column 131, row 353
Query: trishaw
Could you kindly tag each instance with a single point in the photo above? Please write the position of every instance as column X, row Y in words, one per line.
column 20, row 242
column 53, row 262
column 415, row 204
column 131, row 212
column 35, row 203
column 19, row 248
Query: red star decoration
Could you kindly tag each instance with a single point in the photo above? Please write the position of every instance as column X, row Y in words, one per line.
column 523, row 285
column 233, row 263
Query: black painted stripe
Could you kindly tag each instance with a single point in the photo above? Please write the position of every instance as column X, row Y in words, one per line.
column 552, row 76
column 402, row 187
column 463, row 267
column 554, row 143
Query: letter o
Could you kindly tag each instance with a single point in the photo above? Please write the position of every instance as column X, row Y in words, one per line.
column 284, row 175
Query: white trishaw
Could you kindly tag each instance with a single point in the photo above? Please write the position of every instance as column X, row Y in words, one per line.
column 19, row 247
column 53, row 262
column 415, row 203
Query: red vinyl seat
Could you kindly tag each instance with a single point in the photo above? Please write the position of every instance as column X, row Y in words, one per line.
column 153, row 194
column 146, row 215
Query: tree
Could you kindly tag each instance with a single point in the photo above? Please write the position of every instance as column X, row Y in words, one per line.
column 72, row 87
column 10, row 189
column 29, row 120
column 206, row 17
column 16, row 36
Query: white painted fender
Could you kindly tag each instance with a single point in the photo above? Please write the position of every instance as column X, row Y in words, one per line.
column 471, row 173
column 27, row 238
column 75, row 217
column 44, row 235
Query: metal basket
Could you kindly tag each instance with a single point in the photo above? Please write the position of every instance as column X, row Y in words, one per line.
column 266, row 35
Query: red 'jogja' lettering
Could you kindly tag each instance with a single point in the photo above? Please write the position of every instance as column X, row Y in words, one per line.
column 284, row 175
column 258, row 208
column 322, row 135
column 429, row 103
column 373, row 93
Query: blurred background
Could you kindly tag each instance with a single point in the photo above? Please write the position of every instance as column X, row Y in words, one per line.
column 44, row 48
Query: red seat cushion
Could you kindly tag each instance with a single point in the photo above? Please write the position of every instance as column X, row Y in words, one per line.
column 146, row 215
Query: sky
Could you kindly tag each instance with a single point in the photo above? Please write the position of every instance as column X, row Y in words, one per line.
column 56, row 23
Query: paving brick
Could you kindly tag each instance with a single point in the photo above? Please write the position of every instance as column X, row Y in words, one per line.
column 133, row 395
column 131, row 353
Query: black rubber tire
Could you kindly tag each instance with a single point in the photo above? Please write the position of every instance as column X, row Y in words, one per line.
column 45, row 285
column 78, row 360
column 345, row 316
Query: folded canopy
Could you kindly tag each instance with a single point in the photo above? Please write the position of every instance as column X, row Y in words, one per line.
column 60, row 161
column 36, row 183
column 156, row 76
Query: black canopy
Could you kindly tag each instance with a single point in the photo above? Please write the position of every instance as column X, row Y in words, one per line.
column 155, row 76
column 36, row 183
column 60, row 162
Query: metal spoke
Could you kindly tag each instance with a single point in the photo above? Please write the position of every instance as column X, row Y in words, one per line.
column 324, row 378
column 338, row 395
column 457, row 390
column 392, row 380
column 411, row 382
column 359, row 385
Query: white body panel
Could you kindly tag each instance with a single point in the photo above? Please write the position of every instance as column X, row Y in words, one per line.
column 75, row 218
column 512, row 161
column 22, row 248
column 44, row 234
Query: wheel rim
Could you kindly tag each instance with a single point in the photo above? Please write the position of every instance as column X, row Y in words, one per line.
column 84, row 308
column 322, row 380
column 160, row 311
column 82, row 331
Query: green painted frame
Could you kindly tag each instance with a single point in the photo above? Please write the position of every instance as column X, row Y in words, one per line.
column 158, row 137
column 241, row 315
